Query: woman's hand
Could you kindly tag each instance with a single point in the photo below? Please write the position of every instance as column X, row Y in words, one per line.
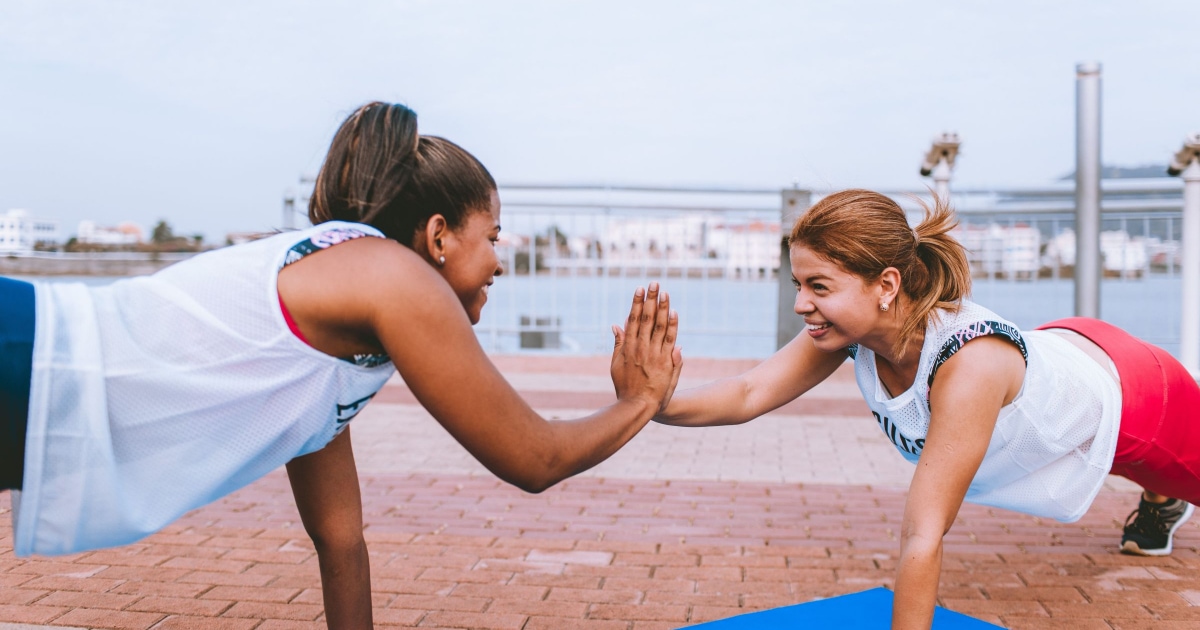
column 645, row 362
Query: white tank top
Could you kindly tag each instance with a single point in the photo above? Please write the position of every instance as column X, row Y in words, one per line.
column 1052, row 446
column 155, row 395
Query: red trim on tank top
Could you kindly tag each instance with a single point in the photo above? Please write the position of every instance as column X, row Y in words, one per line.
column 291, row 323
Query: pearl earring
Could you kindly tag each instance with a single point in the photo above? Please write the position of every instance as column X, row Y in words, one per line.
column 441, row 260
column 883, row 306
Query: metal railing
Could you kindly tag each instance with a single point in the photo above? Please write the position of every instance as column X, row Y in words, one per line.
column 573, row 255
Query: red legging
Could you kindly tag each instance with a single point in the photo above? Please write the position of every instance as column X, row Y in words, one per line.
column 1159, row 443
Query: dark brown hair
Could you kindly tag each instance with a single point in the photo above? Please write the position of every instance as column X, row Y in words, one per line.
column 381, row 172
column 865, row 232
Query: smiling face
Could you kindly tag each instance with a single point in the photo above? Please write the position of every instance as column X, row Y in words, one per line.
column 838, row 307
column 471, row 261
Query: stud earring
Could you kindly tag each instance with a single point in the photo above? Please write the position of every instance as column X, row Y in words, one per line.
column 883, row 306
column 442, row 261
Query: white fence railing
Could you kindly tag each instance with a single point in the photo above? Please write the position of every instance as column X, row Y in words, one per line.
column 574, row 255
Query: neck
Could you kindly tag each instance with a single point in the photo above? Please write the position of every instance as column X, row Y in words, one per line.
column 884, row 345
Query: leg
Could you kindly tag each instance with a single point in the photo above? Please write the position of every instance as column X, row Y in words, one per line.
column 1167, row 462
column 1159, row 442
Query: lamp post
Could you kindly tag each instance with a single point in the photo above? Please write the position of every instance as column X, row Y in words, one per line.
column 1186, row 164
column 1087, row 190
column 939, row 162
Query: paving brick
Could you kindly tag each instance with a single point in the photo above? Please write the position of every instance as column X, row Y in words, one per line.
column 500, row 621
column 184, row 622
column 99, row 618
column 181, row 606
column 263, row 610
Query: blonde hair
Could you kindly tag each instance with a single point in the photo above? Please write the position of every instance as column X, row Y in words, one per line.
column 865, row 232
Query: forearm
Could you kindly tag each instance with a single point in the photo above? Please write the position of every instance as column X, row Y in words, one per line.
column 346, row 587
column 917, row 583
column 569, row 447
column 723, row 402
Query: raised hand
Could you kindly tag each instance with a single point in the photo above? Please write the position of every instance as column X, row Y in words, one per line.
column 646, row 363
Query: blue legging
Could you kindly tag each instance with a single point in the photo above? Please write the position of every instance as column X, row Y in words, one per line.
column 16, row 366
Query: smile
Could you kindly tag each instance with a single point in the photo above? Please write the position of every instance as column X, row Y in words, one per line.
column 818, row 326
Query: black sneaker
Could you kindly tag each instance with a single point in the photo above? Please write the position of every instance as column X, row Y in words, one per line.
column 1150, row 529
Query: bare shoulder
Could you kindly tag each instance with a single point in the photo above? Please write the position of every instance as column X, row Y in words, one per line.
column 983, row 363
column 347, row 288
column 375, row 264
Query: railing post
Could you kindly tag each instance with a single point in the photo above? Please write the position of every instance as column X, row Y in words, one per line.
column 1187, row 165
column 794, row 202
column 1087, row 190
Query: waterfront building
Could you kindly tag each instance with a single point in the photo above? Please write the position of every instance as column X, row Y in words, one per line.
column 20, row 232
column 127, row 233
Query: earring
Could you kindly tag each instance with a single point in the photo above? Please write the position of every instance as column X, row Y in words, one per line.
column 883, row 306
column 442, row 261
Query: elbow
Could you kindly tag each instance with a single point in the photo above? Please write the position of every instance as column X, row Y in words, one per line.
column 534, row 482
column 916, row 541
column 535, row 486
column 537, row 473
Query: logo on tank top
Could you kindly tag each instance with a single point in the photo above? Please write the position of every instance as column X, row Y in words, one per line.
column 902, row 442
column 346, row 413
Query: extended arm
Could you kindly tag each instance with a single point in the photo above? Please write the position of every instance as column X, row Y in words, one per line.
column 794, row 369
column 393, row 299
column 325, row 485
column 965, row 401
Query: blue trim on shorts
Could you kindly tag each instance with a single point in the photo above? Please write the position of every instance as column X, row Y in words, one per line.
column 17, row 308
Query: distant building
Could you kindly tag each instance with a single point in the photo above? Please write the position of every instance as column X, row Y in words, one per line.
column 20, row 232
column 238, row 238
column 124, row 234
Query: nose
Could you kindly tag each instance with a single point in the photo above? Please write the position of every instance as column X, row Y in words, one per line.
column 803, row 305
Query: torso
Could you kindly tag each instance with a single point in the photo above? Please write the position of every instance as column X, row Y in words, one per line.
column 1055, row 435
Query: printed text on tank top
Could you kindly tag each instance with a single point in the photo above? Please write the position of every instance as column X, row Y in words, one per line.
column 957, row 340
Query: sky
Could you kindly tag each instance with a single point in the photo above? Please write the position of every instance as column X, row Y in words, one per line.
column 204, row 113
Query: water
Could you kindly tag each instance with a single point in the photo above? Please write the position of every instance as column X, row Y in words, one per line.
column 731, row 318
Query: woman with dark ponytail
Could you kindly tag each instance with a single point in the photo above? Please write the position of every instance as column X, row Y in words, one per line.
column 1029, row 421
column 123, row 407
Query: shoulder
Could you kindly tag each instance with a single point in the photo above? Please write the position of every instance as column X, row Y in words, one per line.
column 953, row 331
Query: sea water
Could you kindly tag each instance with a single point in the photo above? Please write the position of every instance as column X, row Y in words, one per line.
column 736, row 318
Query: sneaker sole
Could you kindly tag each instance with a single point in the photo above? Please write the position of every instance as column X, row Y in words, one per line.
column 1132, row 548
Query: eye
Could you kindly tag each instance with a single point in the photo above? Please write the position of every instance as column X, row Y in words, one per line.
column 819, row 287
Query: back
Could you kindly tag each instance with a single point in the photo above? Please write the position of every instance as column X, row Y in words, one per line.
column 155, row 395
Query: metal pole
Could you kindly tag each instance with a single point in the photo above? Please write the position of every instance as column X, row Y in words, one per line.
column 1189, row 334
column 1087, row 190
column 794, row 202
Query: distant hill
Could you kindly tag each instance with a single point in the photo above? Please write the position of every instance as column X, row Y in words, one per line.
column 1126, row 172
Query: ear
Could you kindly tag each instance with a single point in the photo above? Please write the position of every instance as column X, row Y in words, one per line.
column 433, row 237
column 889, row 285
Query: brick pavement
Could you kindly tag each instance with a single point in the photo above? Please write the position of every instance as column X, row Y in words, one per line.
column 682, row 526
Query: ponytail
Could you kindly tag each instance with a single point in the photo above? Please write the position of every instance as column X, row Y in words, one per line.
column 381, row 172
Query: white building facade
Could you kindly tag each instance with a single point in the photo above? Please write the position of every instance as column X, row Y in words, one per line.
column 20, row 232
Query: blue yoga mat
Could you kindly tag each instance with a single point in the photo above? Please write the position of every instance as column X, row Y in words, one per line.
column 867, row 610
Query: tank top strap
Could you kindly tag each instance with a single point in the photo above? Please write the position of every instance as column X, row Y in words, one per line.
column 964, row 327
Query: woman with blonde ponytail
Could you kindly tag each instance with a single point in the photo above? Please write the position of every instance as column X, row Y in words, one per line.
column 1031, row 421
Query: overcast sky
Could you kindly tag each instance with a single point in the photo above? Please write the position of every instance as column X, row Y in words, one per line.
column 202, row 113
